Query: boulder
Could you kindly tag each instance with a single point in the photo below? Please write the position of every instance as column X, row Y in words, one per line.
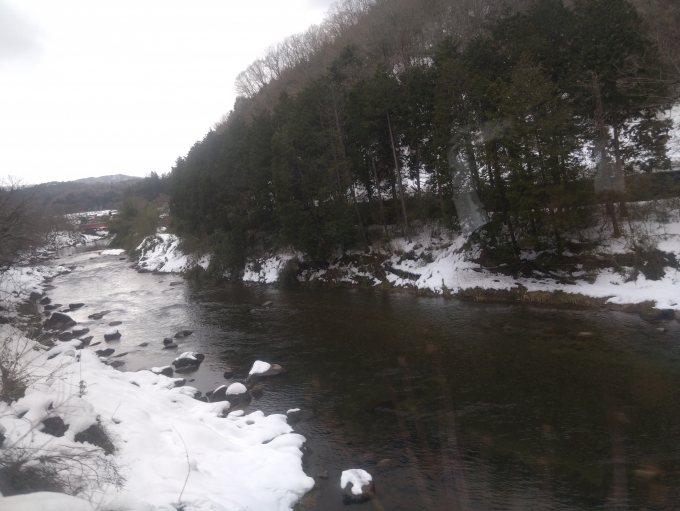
column 86, row 340
column 651, row 314
column 257, row 391
column 98, row 315
column 170, row 346
column 117, row 363
column 165, row 371
column 168, row 340
column 52, row 306
column 54, row 426
column 104, row 353
column 115, row 323
column 58, row 321
column 236, row 394
column 65, row 336
column 45, row 301
column 228, row 373
column 264, row 370
column 188, row 360
column 144, row 345
column 34, row 297
column 183, row 333
column 296, row 415
column 111, row 335
column 74, row 306
column 78, row 331
column 357, row 486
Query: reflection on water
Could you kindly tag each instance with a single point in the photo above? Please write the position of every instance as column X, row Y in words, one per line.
column 449, row 405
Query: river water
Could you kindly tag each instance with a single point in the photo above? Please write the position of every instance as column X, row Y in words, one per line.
column 449, row 405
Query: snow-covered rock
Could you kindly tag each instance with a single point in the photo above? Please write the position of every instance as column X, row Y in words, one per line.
column 259, row 367
column 188, row 359
column 357, row 486
column 236, row 388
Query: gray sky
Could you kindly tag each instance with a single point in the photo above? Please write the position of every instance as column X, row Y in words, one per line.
column 97, row 87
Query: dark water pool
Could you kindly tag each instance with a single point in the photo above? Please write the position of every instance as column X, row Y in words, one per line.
column 450, row 405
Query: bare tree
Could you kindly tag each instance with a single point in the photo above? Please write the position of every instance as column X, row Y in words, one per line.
column 22, row 226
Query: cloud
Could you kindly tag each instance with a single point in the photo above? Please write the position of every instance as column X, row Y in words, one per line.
column 320, row 4
column 20, row 37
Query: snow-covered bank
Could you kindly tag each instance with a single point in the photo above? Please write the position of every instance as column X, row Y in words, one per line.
column 17, row 284
column 163, row 437
column 161, row 253
column 443, row 264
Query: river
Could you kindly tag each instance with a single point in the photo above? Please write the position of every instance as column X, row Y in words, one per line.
column 449, row 405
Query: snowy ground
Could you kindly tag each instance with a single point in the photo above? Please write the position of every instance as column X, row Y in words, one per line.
column 164, row 438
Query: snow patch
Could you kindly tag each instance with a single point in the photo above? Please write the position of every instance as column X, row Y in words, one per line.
column 358, row 477
column 260, row 367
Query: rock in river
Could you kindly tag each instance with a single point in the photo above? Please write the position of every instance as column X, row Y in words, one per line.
column 74, row 306
column 165, row 370
column 105, row 353
column 296, row 415
column 111, row 335
column 264, row 370
column 80, row 330
column 187, row 361
column 183, row 333
column 58, row 321
column 236, row 394
column 357, row 486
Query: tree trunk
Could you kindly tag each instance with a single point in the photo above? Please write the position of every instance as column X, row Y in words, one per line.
column 599, row 119
column 398, row 175
column 623, row 209
column 341, row 143
column 377, row 189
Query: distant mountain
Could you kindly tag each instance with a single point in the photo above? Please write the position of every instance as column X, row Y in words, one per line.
column 116, row 178
column 88, row 194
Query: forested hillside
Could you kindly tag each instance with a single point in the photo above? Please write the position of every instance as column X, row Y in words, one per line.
column 534, row 118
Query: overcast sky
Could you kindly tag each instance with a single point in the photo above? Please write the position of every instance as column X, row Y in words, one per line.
column 97, row 87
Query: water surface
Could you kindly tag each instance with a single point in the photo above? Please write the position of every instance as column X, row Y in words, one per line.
column 450, row 405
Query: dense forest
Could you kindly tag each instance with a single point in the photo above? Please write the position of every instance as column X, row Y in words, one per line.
column 523, row 124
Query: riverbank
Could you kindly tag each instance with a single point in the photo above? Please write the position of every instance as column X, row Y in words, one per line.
column 436, row 263
column 70, row 423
